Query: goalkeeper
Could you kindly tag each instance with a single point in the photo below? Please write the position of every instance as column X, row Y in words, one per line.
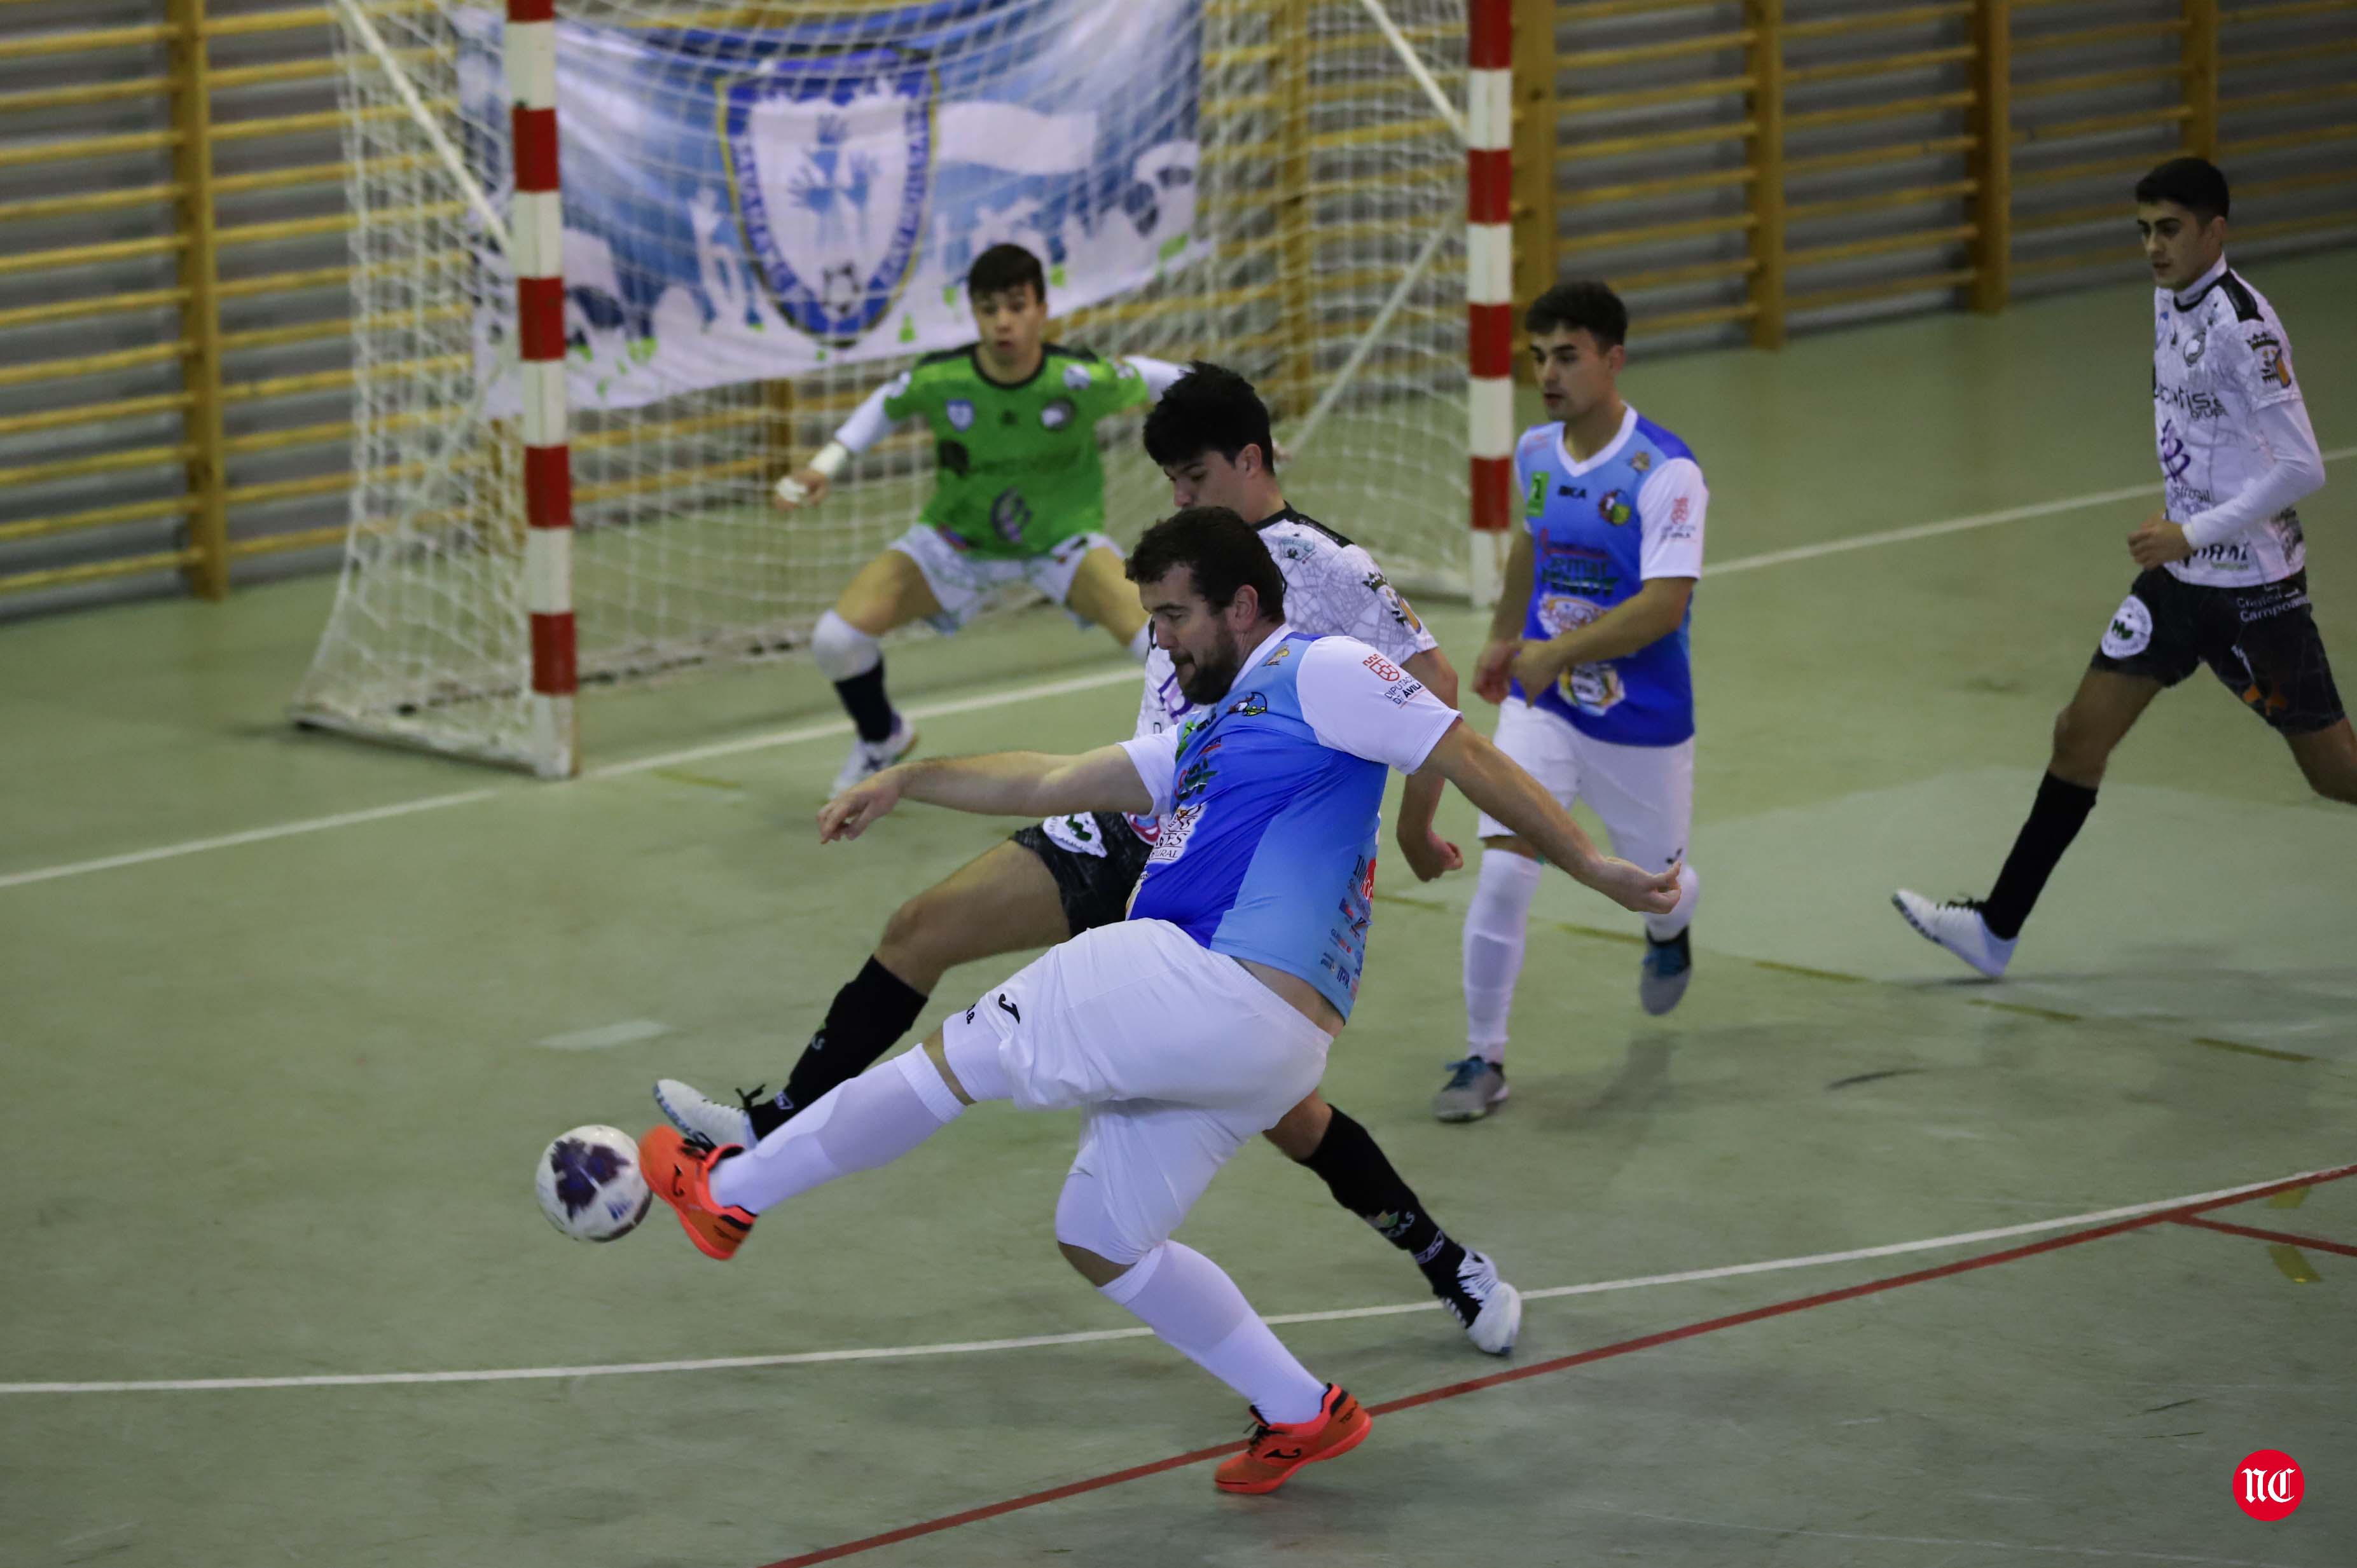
column 1018, row 493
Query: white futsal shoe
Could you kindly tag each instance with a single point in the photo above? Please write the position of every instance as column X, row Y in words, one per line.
column 868, row 758
column 1958, row 927
column 699, row 1115
column 1488, row 1308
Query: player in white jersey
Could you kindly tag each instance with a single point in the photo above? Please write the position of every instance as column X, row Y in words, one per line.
column 1587, row 660
column 1204, row 1017
column 1074, row 873
column 2225, row 581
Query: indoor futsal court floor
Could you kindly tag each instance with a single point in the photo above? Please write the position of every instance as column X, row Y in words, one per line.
column 1852, row 1259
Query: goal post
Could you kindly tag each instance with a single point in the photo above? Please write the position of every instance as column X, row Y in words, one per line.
column 619, row 266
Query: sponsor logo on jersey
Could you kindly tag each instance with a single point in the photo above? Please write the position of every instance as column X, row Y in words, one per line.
column 1279, row 656
column 1250, row 707
column 1613, row 509
column 2195, row 346
column 1383, row 667
column 1076, row 378
column 1537, row 503
column 1176, row 829
column 831, row 168
column 1642, row 461
column 952, row 457
column 1057, row 414
column 959, row 410
column 1010, row 514
column 2275, row 365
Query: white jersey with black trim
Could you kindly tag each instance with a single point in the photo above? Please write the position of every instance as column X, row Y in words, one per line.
column 1332, row 588
column 2236, row 445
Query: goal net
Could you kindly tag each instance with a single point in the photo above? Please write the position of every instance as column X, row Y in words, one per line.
column 767, row 210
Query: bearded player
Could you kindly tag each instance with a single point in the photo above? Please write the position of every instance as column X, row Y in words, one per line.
column 1075, row 872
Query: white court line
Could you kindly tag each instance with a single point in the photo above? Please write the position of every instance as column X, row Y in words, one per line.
column 821, row 731
column 1094, row 1335
column 1128, row 672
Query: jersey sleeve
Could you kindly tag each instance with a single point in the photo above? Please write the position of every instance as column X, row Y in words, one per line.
column 1157, row 374
column 2294, row 469
column 1102, row 387
column 2263, row 371
column 1670, row 508
column 1355, row 700
column 1156, row 757
column 1350, row 597
column 877, row 415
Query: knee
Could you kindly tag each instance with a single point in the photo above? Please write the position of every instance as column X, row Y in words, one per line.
column 843, row 651
column 1098, row 1270
column 2078, row 743
column 1299, row 1132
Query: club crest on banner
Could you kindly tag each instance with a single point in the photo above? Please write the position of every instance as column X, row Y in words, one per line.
column 830, row 164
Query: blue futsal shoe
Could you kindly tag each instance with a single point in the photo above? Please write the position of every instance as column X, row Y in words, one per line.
column 1662, row 980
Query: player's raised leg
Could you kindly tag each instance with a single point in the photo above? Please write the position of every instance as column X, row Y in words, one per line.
column 1355, row 1169
column 1983, row 931
column 1002, row 901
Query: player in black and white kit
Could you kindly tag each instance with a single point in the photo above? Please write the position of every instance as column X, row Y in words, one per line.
column 2224, row 581
column 1056, row 879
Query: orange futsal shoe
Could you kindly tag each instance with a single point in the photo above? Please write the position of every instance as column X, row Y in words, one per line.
column 1277, row 1450
column 680, row 1172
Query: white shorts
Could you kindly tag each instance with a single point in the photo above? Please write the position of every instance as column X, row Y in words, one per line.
column 1176, row 1055
column 964, row 585
column 1644, row 794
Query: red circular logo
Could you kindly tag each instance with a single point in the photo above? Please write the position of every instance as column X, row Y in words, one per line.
column 2269, row 1484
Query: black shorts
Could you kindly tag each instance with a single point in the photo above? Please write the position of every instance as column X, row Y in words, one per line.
column 1096, row 879
column 2262, row 642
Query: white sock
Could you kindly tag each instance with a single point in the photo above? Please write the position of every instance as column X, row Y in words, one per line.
column 872, row 1121
column 1143, row 643
column 1494, row 925
column 1193, row 1307
column 1661, row 928
column 841, row 649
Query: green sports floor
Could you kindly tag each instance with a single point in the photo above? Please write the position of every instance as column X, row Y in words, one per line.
column 1853, row 1259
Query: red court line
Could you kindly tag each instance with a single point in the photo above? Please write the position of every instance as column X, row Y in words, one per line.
column 1565, row 1363
column 2283, row 1236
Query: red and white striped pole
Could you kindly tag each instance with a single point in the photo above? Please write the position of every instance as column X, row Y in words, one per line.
column 536, row 223
column 1490, row 282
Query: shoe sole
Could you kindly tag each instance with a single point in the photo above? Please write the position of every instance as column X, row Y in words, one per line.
column 1477, row 1112
column 1262, row 1488
column 1656, row 1001
column 1964, row 958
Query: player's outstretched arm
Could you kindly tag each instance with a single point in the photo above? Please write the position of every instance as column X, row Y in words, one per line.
column 1004, row 784
column 1427, row 854
column 1496, row 783
column 809, row 484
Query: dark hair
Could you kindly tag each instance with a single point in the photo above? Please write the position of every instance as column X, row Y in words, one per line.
column 1224, row 551
column 1005, row 267
column 1209, row 409
column 2194, row 184
column 1581, row 304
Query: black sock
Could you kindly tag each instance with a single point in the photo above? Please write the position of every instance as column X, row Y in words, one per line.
column 2054, row 822
column 865, row 1019
column 1363, row 1182
column 864, row 699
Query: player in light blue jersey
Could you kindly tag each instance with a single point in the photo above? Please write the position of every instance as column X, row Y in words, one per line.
column 1196, row 1024
column 1587, row 660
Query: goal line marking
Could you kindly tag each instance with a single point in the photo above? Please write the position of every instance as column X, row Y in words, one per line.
column 832, row 727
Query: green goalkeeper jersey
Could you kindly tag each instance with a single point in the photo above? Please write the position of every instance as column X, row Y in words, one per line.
column 1016, row 467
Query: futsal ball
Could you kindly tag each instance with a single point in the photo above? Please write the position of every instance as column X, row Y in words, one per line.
column 590, row 1185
